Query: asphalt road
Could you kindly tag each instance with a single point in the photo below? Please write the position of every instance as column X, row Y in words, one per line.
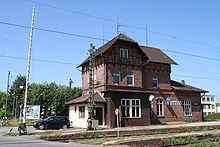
column 31, row 140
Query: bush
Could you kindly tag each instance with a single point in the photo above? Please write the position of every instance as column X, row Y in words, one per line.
column 211, row 117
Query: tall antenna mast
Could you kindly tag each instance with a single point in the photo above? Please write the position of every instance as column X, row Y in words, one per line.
column 117, row 25
column 28, row 67
column 146, row 37
column 103, row 34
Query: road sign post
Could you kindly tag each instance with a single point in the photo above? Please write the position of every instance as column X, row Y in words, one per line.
column 117, row 117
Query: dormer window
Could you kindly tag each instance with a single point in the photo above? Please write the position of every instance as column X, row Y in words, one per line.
column 124, row 53
column 155, row 81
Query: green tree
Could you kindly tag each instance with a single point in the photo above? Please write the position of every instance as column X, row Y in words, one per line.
column 16, row 95
column 50, row 96
column 2, row 103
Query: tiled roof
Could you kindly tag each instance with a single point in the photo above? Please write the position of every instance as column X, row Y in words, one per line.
column 184, row 87
column 82, row 99
column 156, row 55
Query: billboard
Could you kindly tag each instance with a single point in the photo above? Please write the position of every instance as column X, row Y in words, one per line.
column 33, row 112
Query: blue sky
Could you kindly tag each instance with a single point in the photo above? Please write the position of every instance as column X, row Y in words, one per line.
column 189, row 27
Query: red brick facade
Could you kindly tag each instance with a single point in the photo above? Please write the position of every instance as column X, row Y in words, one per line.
column 143, row 70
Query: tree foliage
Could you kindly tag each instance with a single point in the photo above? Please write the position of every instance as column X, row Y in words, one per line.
column 50, row 96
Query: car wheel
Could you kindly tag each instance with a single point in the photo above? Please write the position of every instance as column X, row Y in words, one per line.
column 41, row 127
column 64, row 127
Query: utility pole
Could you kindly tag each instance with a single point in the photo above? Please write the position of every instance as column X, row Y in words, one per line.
column 91, row 104
column 22, row 126
column 6, row 98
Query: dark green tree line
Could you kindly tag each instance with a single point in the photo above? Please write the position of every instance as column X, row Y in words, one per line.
column 50, row 96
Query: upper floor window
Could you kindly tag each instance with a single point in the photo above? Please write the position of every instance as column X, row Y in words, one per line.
column 212, row 99
column 203, row 99
column 160, row 111
column 187, row 108
column 124, row 53
column 130, row 78
column 208, row 99
column 155, row 81
column 116, row 77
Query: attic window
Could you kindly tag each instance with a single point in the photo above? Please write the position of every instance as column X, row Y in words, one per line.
column 155, row 81
column 124, row 53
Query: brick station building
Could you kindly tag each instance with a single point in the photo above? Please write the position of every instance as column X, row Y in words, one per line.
column 136, row 80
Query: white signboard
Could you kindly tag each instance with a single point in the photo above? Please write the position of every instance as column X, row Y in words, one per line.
column 33, row 112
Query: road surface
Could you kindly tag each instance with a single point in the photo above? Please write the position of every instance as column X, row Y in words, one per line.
column 31, row 140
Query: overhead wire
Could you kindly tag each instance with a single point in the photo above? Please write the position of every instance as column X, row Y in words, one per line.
column 39, row 60
column 124, row 24
column 195, row 77
column 40, row 44
column 100, row 39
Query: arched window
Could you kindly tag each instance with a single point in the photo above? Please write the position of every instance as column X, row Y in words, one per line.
column 160, row 109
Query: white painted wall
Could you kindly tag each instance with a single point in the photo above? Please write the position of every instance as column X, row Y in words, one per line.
column 76, row 121
column 74, row 118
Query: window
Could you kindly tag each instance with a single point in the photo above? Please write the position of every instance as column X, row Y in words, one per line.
column 75, row 109
column 203, row 99
column 160, row 111
column 155, row 81
column 187, row 108
column 208, row 99
column 123, row 53
column 130, row 78
column 213, row 106
column 212, row 99
column 116, row 77
column 131, row 108
column 204, row 106
column 81, row 111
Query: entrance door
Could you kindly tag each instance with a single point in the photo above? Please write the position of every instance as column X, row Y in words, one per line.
column 99, row 115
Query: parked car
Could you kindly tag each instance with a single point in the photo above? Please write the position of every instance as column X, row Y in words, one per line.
column 52, row 122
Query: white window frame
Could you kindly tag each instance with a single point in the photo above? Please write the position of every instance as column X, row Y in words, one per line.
column 119, row 77
column 187, row 108
column 130, row 76
column 130, row 106
column 124, row 53
column 81, row 113
column 160, row 107
column 212, row 99
column 154, row 78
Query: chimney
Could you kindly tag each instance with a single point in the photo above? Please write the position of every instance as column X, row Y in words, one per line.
column 183, row 82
